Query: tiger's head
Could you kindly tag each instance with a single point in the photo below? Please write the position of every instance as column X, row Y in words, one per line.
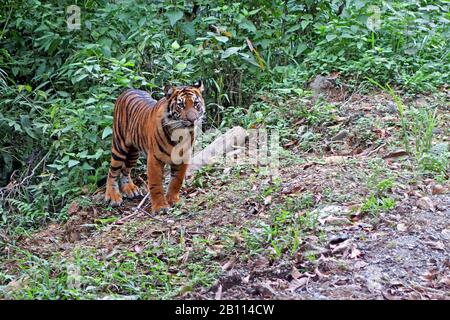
column 186, row 106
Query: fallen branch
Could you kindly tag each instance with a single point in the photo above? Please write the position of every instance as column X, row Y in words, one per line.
column 225, row 146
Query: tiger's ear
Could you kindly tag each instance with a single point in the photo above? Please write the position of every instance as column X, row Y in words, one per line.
column 199, row 85
column 168, row 91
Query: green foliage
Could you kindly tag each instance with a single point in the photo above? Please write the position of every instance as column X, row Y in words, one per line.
column 290, row 220
column 380, row 184
column 374, row 205
column 129, row 275
column 58, row 86
column 436, row 160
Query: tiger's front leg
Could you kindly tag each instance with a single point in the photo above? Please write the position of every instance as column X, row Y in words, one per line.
column 155, row 171
column 177, row 173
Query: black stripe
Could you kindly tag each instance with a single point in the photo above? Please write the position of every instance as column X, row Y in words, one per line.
column 168, row 136
column 115, row 168
column 119, row 148
column 161, row 148
column 117, row 158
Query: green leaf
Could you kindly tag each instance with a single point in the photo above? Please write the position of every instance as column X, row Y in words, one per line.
column 294, row 28
column 221, row 39
column 106, row 132
column 181, row 66
column 247, row 25
column 175, row 45
column 174, row 16
column 56, row 166
column 230, row 51
column 331, row 37
column 305, row 23
column 73, row 163
column 87, row 166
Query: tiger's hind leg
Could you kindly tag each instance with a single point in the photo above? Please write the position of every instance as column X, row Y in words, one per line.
column 126, row 184
column 112, row 194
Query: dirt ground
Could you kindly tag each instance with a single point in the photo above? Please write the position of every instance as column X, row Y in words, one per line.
column 402, row 253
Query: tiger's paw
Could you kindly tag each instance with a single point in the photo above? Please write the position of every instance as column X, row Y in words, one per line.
column 173, row 199
column 113, row 197
column 162, row 208
column 130, row 190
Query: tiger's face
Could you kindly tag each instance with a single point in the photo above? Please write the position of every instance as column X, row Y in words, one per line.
column 186, row 106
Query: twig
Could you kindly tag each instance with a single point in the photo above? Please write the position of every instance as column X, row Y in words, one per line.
column 375, row 150
column 142, row 202
column 136, row 211
column 145, row 212
column 122, row 220
column 12, row 186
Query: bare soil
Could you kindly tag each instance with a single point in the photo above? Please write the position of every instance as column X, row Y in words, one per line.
column 403, row 253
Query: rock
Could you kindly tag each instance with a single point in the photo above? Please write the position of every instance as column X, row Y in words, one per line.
column 446, row 234
column 14, row 286
column 264, row 289
column 360, row 264
column 402, row 227
column 374, row 278
column 339, row 238
column 320, row 83
column 425, row 203
column 391, row 107
column 298, row 283
column 437, row 189
column 341, row 135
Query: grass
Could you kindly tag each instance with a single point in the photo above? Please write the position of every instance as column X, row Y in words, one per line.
column 177, row 259
column 156, row 272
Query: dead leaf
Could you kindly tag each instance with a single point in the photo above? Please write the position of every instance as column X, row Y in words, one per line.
column 425, row 203
column 339, row 238
column 360, row 264
column 438, row 245
column 390, row 296
column 437, row 189
column 308, row 165
column 229, row 264
column 73, row 208
column 298, row 283
column 342, row 246
column 335, row 159
column 184, row 258
column 267, row 200
column 355, row 252
column 260, row 263
column 218, row 295
column 249, row 44
column 265, row 290
column 396, row 154
column 334, row 220
column 320, row 274
column 295, row 273
column 290, row 143
column 430, row 275
column 445, row 280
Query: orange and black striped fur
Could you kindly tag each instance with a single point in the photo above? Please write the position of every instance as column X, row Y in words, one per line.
column 144, row 124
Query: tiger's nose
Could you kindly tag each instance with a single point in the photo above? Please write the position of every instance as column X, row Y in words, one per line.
column 192, row 116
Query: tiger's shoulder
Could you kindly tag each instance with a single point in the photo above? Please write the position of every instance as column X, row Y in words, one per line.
column 138, row 95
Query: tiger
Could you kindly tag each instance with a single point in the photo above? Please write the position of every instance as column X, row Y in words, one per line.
column 140, row 123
